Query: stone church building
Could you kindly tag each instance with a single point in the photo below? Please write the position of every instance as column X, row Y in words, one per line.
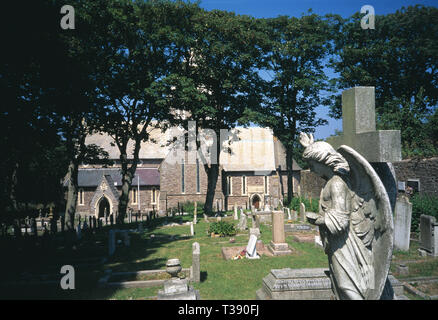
column 252, row 174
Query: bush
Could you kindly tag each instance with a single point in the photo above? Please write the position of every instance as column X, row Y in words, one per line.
column 422, row 204
column 222, row 228
column 295, row 204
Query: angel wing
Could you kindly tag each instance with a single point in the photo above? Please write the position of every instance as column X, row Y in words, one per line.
column 371, row 215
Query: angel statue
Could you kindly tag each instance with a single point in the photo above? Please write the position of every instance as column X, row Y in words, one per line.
column 355, row 220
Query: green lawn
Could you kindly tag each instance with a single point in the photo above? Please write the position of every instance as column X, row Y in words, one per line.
column 220, row 279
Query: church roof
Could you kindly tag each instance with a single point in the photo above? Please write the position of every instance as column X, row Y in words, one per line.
column 92, row 177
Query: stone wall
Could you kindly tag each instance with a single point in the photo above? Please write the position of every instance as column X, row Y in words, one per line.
column 310, row 184
column 425, row 170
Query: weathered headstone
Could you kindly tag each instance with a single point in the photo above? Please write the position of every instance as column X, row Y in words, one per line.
column 254, row 231
column 205, row 218
column 288, row 214
column 251, row 251
column 278, row 245
column 196, row 266
column 195, row 214
column 429, row 235
column 236, row 217
column 242, row 225
column 79, row 231
column 402, row 223
column 192, row 231
column 302, row 212
column 111, row 242
column 175, row 288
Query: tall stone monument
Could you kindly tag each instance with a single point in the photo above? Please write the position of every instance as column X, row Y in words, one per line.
column 278, row 245
column 355, row 221
column 402, row 223
column 379, row 147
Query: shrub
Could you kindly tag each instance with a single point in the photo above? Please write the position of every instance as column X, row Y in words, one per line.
column 222, row 228
column 295, row 204
column 189, row 207
column 422, row 204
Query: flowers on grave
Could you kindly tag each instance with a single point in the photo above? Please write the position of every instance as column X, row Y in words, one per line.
column 240, row 255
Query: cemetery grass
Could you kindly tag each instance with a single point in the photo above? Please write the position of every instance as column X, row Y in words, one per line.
column 220, row 279
column 150, row 250
column 418, row 266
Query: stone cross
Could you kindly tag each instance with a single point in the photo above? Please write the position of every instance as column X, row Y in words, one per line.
column 402, row 223
column 379, row 147
column 196, row 267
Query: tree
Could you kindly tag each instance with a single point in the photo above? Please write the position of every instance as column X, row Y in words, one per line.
column 140, row 50
column 398, row 58
column 296, row 55
column 221, row 81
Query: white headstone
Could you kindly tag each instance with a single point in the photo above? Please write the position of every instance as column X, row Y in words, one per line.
column 288, row 214
column 251, row 251
column 303, row 212
column 236, row 217
column 402, row 223
column 192, row 231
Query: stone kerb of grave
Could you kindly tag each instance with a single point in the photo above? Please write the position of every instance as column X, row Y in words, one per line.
column 175, row 288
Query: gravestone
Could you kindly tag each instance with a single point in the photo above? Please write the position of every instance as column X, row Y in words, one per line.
column 192, row 231
column 429, row 235
column 195, row 214
column 175, row 288
column 90, row 222
column 205, row 218
column 302, row 212
column 79, row 231
column 254, row 231
column 251, row 251
column 111, row 219
column 379, row 147
column 196, row 266
column 306, row 284
column 242, row 225
column 94, row 222
column 99, row 223
column 236, row 217
column 288, row 214
column 278, row 245
column 402, row 223
column 126, row 239
column 111, row 242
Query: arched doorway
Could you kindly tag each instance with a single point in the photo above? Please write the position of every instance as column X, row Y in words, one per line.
column 256, row 201
column 104, row 208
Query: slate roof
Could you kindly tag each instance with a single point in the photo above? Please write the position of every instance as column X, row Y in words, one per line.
column 92, row 177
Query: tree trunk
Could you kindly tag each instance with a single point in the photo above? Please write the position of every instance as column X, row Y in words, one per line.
column 127, row 176
column 13, row 188
column 289, row 164
column 72, row 195
column 212, row 176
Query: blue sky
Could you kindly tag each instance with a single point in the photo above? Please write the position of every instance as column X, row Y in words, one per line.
column 345, row 8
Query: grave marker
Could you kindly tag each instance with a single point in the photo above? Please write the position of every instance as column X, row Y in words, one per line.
column 379, row 147
column 278, row 245
column 402, row 223
column 251, row 251
column 196, row 266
